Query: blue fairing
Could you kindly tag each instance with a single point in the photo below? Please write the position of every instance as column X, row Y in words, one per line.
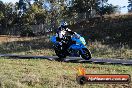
column 77, row 46
column 80, row 42
column 53, row 39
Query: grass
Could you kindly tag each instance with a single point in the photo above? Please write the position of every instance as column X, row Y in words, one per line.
column 42, row 46
column 25, row 46
column 105, row 51
column 40, row 73
column 119, row 16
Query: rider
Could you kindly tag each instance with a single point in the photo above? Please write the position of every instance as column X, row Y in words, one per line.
column 61, row 31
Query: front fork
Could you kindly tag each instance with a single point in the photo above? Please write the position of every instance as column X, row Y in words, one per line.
column 81, row 49
column 82, row 52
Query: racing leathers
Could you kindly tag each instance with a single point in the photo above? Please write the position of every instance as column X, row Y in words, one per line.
column 61, row 33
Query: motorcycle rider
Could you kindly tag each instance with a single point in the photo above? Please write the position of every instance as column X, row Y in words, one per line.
column 61, row 32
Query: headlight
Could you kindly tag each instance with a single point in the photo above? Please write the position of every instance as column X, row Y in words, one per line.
column 83, row 42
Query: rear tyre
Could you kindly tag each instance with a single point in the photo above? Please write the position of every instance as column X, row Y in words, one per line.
column 60, row 54
column 87, row 54
column 59, row 51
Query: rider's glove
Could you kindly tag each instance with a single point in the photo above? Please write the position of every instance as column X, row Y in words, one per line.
column 75, row 33
column 78, row 36
column 60, row 43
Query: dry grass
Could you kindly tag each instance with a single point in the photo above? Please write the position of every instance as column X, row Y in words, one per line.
column 6, row 38
column 117, row 16
column 42, row 46
column 25, row 45
column 105, row 51
column 38, row 73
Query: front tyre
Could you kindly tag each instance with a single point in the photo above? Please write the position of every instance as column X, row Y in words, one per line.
column 86, row 55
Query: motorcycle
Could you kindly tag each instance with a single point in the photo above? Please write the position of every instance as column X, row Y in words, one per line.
column 73, row 45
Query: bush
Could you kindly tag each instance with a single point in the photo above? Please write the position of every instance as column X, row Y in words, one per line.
column 27, row 33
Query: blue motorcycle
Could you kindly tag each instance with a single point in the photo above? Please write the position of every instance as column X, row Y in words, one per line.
column 73, row 45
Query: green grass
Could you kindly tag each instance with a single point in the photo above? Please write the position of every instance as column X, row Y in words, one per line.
column 41, row 73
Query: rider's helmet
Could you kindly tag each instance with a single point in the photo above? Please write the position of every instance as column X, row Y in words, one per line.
column 64, row 24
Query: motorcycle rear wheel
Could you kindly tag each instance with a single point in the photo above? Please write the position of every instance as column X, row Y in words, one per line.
column 60, row 53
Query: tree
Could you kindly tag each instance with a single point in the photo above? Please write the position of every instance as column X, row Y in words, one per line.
column 23, row 4
column 56, row 11
column 130, row 6
column 108, row 9
column 35, row 14
column 7, row 16
column 2, row 6
column 102, row 7
column 85, row 6
column 38, row 13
